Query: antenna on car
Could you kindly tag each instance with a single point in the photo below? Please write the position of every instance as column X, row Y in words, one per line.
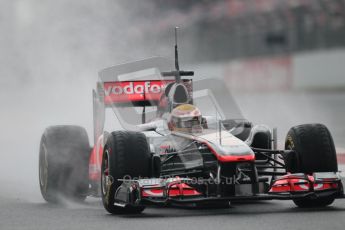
column 176, row 51
column 177, row 73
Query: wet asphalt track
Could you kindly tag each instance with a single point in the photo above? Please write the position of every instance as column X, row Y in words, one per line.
column 21, row 205
column 16, row 214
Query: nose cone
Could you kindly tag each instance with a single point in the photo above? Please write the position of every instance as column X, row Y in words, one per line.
column 235, row 149
column 228, row 146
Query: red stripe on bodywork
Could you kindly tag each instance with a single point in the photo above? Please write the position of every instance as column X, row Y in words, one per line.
column 95, row 162
column 223, row 158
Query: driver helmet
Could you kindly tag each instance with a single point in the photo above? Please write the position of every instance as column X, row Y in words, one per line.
column 185, row 118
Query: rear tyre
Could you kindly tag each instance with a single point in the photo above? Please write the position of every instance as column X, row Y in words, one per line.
column 63, row 163
column 126, row 154
column 315, row 152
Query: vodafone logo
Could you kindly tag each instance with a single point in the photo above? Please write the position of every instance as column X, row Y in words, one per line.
column 127, row 91
column 133, row 88
column 135, row 91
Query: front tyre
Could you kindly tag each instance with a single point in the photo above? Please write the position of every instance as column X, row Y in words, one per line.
column 315, row 150
column 126, row 154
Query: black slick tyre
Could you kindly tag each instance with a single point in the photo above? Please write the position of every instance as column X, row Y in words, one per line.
column 315, row 152
column 63, row 163
column 126, row 155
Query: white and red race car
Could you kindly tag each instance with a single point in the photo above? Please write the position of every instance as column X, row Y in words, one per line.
column 225, row 158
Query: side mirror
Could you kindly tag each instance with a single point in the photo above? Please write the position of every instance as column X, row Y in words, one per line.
column 148, row 127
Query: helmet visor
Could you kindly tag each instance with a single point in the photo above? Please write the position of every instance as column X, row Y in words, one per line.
column 190, row 123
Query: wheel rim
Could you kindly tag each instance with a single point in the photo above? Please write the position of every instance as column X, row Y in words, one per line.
column 43, row 167
column 289, row 145
column 105, row 173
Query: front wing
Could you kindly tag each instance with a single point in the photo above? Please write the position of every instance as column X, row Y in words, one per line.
column 158, row 191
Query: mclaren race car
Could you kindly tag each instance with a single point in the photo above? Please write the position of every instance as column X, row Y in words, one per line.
column 182, row 141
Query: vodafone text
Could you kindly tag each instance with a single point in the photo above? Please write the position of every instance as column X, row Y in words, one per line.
column 137, row 88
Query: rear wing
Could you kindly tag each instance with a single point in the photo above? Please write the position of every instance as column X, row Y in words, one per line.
column 136, row 93
column 140, row 83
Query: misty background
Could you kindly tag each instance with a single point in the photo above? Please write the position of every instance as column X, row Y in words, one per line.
column 51, row 52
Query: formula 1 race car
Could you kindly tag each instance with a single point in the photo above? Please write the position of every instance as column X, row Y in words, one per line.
column 183, row 142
